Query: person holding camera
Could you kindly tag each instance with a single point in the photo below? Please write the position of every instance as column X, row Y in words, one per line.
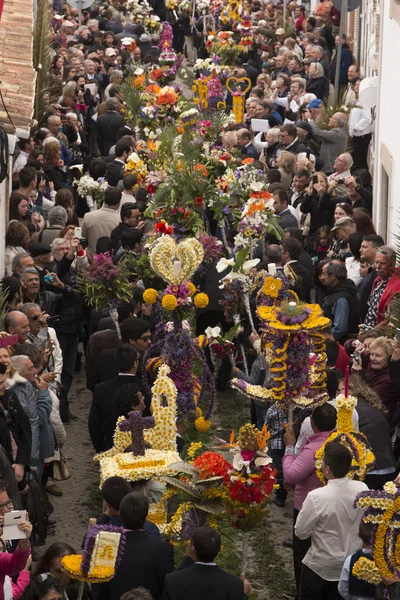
column 342, row 166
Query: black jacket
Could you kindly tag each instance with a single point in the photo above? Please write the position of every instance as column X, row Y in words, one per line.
column 116, row 234
column 305, row 280
column 107, row 129
column 17, row 422
column 374, row 425
column 115, row 172
column 102, row 415
column 344, row 289
column 251, row 152
column 202, row 582
column 317, row 86
column 145, row 562
column 56, row 175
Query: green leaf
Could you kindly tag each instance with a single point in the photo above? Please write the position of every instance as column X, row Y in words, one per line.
column 241, row 259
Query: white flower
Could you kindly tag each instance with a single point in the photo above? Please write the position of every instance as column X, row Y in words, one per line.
column 263, row 461
column 213, row 332
column 169, row 326
column 127, row 41
column 186, row 325
column 138, row 71
column 250, row 264
column 224, row 263
column 256, row 186
column 238, row 462
column 134, row 157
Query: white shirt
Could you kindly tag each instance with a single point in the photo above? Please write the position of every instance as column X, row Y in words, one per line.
column 328, row 517
column 341, row 189
column 343, row 586
column 307, row 430
column 353, row 270
column 360, row 121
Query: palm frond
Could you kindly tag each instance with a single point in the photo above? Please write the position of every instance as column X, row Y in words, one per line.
column 134, row 99
column 42, row 59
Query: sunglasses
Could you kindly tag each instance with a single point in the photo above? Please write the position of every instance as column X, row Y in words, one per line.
column 35, row 318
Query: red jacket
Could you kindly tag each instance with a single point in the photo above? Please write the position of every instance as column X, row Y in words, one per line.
column 392, row 288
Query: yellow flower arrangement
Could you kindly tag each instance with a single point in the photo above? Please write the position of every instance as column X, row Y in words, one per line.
column 356, row 442
column 150, row 296
column 202, row 424
column 166, row 253
column 162, row 438
column 367, row 570
column 201, row 300
column 315, row 319
column 271, row 287
column 191, row 288
column 194, row 448
column 169, row 302
column 175, row 525
column 72, row 566
column 135, row 165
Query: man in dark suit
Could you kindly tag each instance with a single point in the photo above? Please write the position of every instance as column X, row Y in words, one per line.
column 243, row 137
column 291, row 250
column 304, row 258
column 199, row 578
column 104, row 412
column 282, row 210
column 108, row 126
column 116, row 168
column 129, row 219
column 146, row 561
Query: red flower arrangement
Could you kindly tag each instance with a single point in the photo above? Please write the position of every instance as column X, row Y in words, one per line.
column 163, row 228
column 212, row 464
column 199, row 201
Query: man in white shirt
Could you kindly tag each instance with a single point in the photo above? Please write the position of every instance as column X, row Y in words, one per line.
column 26, row 146
column 100, row 223
column 328, row 516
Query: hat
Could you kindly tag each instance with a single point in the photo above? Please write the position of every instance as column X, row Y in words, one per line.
column 67, row 24
column 314, row 103
column 144, row 38
column 308, row 61
column 110, row 52
column 280, row 31
column 304, row 125
column 343, row 222
column 38, row 249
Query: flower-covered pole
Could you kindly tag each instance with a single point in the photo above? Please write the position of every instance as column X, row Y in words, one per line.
column 236, row 320
column 245, row 551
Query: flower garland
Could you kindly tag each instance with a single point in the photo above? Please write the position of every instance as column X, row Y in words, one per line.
column 383, row 510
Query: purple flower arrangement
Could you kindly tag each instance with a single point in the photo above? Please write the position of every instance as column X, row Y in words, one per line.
column 90, row 540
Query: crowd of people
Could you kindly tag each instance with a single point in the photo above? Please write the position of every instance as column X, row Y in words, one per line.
column 314, row 163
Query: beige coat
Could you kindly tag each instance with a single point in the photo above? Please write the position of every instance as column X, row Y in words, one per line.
column 99, row 223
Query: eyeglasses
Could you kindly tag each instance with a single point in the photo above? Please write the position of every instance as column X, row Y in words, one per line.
column 35, row 318
column 7, row 504
column 145, row 338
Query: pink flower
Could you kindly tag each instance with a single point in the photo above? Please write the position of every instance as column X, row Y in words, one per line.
column 247, row 455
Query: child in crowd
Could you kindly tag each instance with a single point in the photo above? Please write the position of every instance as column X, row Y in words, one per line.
column 350, row 587
column 323, row 240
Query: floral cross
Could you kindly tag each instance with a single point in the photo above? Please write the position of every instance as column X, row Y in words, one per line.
column 136, row 423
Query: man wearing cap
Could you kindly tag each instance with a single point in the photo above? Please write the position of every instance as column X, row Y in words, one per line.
column 144, row 43
column 340, row 304
column 41, row 254
column 344, row 228
column 334, row 140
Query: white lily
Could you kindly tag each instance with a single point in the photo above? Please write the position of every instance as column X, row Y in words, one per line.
column 257, row 186
column 213, row 332
column 250, row 264
column 238, row 462
column 263, row 461
column 224, row 263
column 127, row 41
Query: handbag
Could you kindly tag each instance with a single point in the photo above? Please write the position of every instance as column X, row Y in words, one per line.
column 60, row 469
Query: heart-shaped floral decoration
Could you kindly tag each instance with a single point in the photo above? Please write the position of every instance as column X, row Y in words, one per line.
column 176, row 263
column 236, row 81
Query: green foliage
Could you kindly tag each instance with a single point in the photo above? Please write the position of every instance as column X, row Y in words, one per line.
column 3, row 306
column 42, row 59
column 241, row 259
column 134, row 99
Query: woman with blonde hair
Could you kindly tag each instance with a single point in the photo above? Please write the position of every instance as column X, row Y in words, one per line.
column 52, row 158
column 264, row 82
column 375, row 372
column 286, row 163
column 317, row 83
column 372, row 422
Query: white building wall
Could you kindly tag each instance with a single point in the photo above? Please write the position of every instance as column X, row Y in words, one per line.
column 386, row 212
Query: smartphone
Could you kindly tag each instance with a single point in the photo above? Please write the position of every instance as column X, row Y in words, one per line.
column 315, row 179
column 78, row 232
column 340, row 181
column 8, row 340
column 53, row 319
column 49, row 278
column 11, row 522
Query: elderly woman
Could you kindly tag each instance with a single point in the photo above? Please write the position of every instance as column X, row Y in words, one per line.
column 272, row 138
column 372, row 422
column 57, row 220
column 376, row 373
column 316, row 82
column 17, row 239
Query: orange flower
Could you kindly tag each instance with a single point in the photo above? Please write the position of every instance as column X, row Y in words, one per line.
column 247, row 161
column 179, row 166
column 140, row 79
column 198, row 201
column 201, row 169
column 261, row 195
column 156, row 74
column 153, row 89
column 159, row 212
